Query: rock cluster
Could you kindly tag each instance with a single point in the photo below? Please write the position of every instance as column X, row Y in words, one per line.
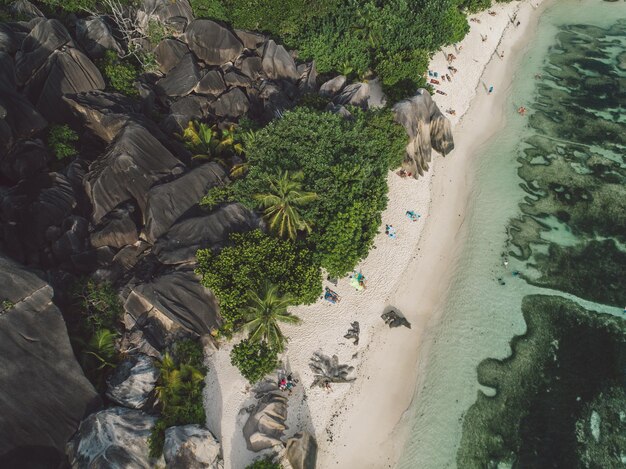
column 329, row 370
column 267, row 422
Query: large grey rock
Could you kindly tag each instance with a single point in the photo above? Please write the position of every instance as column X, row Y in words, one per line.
column 115, row 438
column 132, row 381
column 249, row 39
column 267, row 423
column 182, row 79
column 233, row 103
column 191, row 447
column 252, row 67
column 278, row 63
column 333, row 86
column 329, row 370
column 178, row 301
column 183, row 239
column 427, row 128
column 212, row 43
column 234, row 78
column 9, row 41
column 186, row 109
column 307, row 77
column 166, row 203
column 66, row 71
column 302, row 451
column 46, row 37
column 116, row 230
column 95, row 37
column 356, row 94
column 43, row 392
column 105, row 114
column 24, row 8
column 174, row 15
column 168, row 53
column 211, row 83
column 133, row 163
column 25, row 158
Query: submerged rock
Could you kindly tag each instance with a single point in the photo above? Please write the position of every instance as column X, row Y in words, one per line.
column 427, row 128
column 115, row 438
column 43, row 391
column 132, row 381
column 191, row 447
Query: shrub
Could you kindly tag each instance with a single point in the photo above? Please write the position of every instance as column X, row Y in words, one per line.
column 252, row 259
column 215, row 196
column 179, row 391
column 265, row 463
column 209, row 9
column 120, row 74
column 99, row 304
column 254, row 360
column 61, row 141
column 6, row 305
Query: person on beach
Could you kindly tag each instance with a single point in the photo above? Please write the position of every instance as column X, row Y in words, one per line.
column 490, row 89
column 521, row 111
column 484, row 38
column 502, row 54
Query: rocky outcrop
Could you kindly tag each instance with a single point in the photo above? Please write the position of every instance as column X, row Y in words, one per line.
column 182, row 79
column 166, row 203
column 116, row 230
column 175, row 16
column 95, row 37
column 9, row 41
column 333, row 86
column 302, row 451
column 212, row 43
column 394, row 319
column 133, row 163
column 184, row 110
column 307, row 77
column 328, row 370
column 427, row 128
column 191, row 447
column 250, row 40
column 252, row 67
column 278, row 63
column 24, row 159
column 267, row 422
column 132, row 382
column 177, row 301
column 211, row 230
column 43, row 392
column 211, row 83
column 168, row 53
column 115, row 438
column 233, row 103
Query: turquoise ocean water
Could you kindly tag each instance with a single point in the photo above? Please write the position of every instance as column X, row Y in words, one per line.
column 566, row 235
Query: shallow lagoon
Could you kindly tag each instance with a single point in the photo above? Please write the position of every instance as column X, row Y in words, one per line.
column 571, row 152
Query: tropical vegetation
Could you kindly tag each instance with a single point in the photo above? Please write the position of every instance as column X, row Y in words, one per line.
column 62, row 141
column 265, row 463
column 179, row 391
column 211, row 143
column 255, row 360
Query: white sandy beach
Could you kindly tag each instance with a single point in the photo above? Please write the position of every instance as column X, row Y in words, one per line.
column 362, row 424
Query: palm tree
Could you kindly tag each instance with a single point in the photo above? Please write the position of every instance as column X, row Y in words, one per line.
column 210, row 143
column 282, row 202
column 263, row 313
column 102, row 347
column 177, row 384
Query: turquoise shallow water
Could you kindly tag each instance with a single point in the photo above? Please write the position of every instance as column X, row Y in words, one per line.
column 482, row 315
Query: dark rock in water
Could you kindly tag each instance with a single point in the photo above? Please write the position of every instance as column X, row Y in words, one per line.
column 211, row 83
column 117, row 229
column 250, row 40
column 102, row 112
column 307, row 81
column 115, row 438
column 333, row 86
column 182, row 79
column 302, row 451
column 234, row 78
column 233, row 103
column 267, row 422
column 212, row 43
column 427, row 128
column 328, row 370
column 67, row 71
column 166, row 203
column 278, row 63
column 24, row 159
column 95, row 37
column 191, row 446
column 41, row 42
column 132, row 382
column 168, row 53
column 353, row 332
column 182, row 241
column 133, row 163
column 394, row 319
column 178, row 302
column 9, row 41
column 44, row 392
column 252, row 67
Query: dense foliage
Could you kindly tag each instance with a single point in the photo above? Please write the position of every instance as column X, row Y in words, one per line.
column 62, row 141
column 265, row 463
column 345, row 162
column 179, row 391
column 94, row 320
column 252, row 259
column 120, row 74
column 255, row 360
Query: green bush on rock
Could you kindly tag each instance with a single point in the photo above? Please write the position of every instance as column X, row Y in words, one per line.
column 119, row 74
column 265, row 463
column 61, row 140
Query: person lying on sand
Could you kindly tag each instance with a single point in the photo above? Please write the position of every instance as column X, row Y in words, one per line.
column 521, row 111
